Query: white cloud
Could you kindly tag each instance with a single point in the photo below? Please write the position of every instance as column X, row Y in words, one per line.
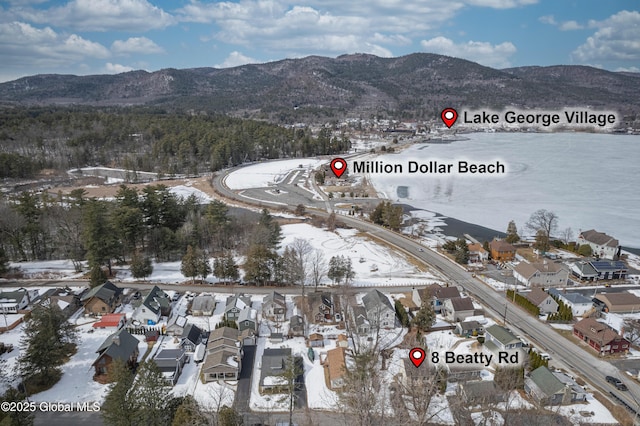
column 496, row 56
column 101, row 15
column 501, row 4
column 22, row 45
column 139, row 45
column 236, row 59
column 110, row 68
column 617, row 39
column 628, row 69
column 570, row 26
column 548, row 19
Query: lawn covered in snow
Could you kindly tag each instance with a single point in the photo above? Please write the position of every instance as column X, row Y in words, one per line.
column 561, row 172
column 261, row 175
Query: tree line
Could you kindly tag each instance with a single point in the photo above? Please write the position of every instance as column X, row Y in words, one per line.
column 149, row 139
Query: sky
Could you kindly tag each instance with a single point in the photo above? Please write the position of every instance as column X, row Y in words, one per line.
column 112, row 36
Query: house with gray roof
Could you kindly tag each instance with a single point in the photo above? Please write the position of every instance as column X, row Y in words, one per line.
column 102, row 299
column 234, row 305
column 380, row 311
column 248, row 320
column 203, row 305
column 296, row 326
column 458, row 308
column 584, row 271
column 223, row 355
column 274, row 307
column 499, row 339
column 191, row 337
column 359, row 320
column 578, row 303
column 156, row 304
column 549, row 388
column 477, row 392
column 119, row 346
column 176, row 325
column 602, row 245
column 170, row 363
column 273, row 365
column 13, row 301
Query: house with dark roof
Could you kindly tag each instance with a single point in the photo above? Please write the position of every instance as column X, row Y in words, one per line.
column 234, row 305
column 600, row 270
column 359, row 320
column 296, row 326
column 67, row 300
column 578, row 303
column 380, row 311
column 274, row 307
column 545, row 274
column 170, row 363
column 102, row 299
column 584, row 271
column 156, row 304
column 321, row 307
column 477, row 392
column 542, row 300
column 600, row 337
column 502, row 251
column 438, row 294
column 469, row 328
column 547, row 388
column 273, row 365
column 602, row 245
column 620, row 303
column 119, row 346
column 203, row 305
column 191, row 337
column 13, row 301
column 458, row 308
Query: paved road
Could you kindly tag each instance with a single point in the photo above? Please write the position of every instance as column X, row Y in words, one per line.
column 575, row 357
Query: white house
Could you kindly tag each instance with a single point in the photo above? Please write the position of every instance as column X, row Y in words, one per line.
column 155, row 305
column 602, row 245
column 13, row 301
column 379, row 309
column 578, row 303
column 546, row 274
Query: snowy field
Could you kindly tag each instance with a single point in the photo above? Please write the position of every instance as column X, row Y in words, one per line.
column 261, row 175
column 562, row 172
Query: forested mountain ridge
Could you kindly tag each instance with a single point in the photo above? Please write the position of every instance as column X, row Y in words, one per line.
column 413, row 86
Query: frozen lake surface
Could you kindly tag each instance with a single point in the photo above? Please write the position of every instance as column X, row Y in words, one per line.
column 588, row 180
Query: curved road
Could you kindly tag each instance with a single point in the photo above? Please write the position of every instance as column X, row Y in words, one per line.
column 581, row 361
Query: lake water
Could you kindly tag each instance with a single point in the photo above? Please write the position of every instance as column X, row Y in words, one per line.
column 588, row 180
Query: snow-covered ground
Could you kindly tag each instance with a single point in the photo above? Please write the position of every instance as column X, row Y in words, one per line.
column 185, row 191
column 261, row 175
column 544, row 171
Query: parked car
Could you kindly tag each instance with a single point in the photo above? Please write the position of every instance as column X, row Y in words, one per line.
column 617, row 383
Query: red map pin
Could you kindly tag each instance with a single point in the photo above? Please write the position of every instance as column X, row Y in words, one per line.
column 338, row 166
column 449, row 116
column 417, row 355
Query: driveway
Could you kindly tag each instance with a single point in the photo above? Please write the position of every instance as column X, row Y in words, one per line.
column 243, row 393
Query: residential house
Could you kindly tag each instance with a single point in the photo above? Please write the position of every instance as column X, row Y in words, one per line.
column 502, row 251
column 234, row 305
column 156, row 304
column 119, row 346
column 176, row 325
column 67, row 300
column 410, row 375
column 438, row 294
column 170, row 363
column 191, row 337
column 599, row 270
column 273, row 365
column 342, row 341
column 102, row 299
column 359, row 320
column 247, row 337
column 464, row 372
column 223, row 355
column 296, row 326
column 499, row 339
column 321, row 307
column 336, row 368
column 600, row 337
column 602, row 245
column 380, row 311
column 542, row 300
column 469, row 328
column 316, row 340
column 545, row 274
column 116, row 321
column 13, row 301
column 248, row 320
column 546, row 388
column 481, row 392
column 203, row 305
column 618, row 303
column 458, row 308
column 477, row 253
column 274, row 307
column 579, row 304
